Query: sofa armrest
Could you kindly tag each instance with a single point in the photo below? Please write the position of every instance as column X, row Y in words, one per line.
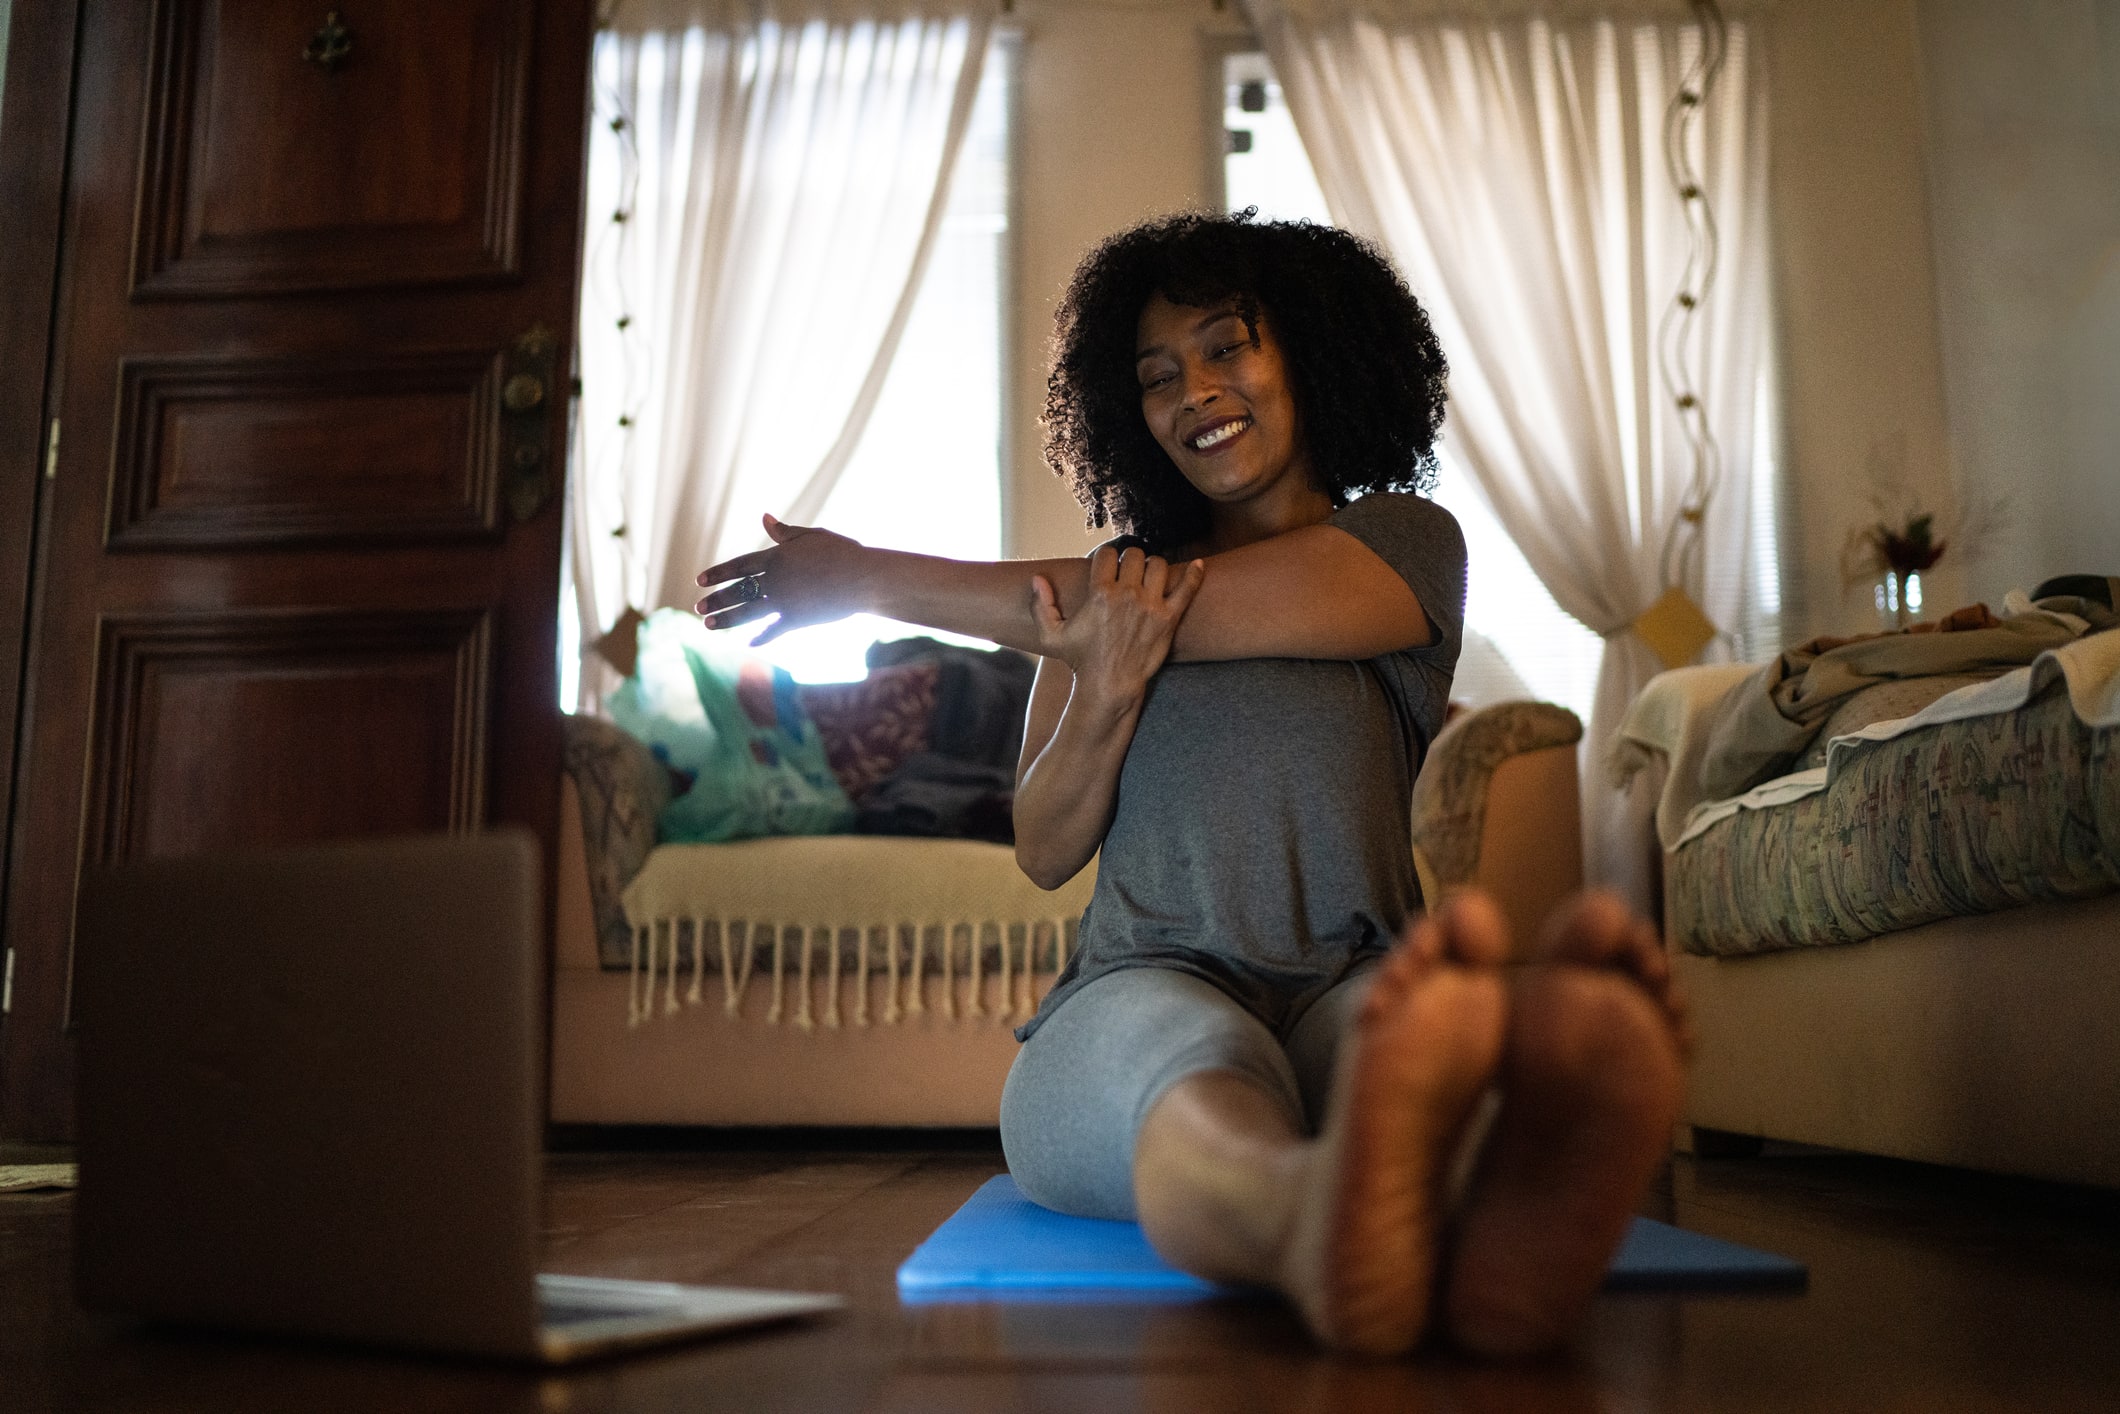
column 623, row 790
column 1497, row 805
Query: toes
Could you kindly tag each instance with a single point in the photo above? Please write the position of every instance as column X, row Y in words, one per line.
column 1423, row 938
column 1403, row 969
column 1466, row 930
column 1596, row 929
column 1591, row 928
column 1474, row 932
column 1643, row 955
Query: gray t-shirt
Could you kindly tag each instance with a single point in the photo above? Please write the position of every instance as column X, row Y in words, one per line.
column 1262, row 835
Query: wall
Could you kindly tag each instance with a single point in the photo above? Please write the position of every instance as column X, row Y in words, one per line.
column 2023, row 113
column 1110, row 122
column 1112, row 100
column 1862, row 374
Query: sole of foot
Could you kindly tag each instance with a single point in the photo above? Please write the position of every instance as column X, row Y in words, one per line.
column 1361, row 1259
column 1592, row 1077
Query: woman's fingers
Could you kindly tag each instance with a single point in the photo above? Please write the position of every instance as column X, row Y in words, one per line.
column 782, row 532
column 1045, row 605
column 726, row 597
column 1103, row 565
column 734, row 569
column 1155, row 576
column 1189, row 582
column 1133, row 561
column 736, row 615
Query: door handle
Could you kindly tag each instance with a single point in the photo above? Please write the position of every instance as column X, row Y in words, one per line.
column 526, row 468
column 523, row 392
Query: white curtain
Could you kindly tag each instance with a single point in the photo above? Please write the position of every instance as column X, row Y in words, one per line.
column 1513, row 164
column 765, row 187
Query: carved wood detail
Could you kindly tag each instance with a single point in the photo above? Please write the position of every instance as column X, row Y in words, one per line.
column 402, row 167
column 218, row 453
column 256, row 727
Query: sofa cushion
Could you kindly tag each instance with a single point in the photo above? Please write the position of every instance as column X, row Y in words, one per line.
column 870, row 727
column 1888, row 701
column 768, row 774
column 1949, row 818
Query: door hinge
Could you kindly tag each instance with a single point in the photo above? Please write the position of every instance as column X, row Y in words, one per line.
column 7, row 988
column 51, row 452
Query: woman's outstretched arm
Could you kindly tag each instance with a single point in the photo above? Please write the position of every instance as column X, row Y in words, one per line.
column 1312, row 592
column 811, row 576
column 1087, row 701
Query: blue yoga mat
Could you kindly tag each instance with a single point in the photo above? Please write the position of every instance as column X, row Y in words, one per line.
column 1000, row 1244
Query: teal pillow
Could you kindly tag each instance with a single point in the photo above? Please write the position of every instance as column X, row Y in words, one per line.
column 659, row 704
column 744, row 758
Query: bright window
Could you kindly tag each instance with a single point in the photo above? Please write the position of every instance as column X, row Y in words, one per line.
column 937, row 423
column 1518, row 642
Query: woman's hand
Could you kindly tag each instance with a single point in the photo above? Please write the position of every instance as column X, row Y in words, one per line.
column 807, row 576
column 1121, row 633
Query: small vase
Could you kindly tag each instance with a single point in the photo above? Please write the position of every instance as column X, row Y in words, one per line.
column 1898, row 597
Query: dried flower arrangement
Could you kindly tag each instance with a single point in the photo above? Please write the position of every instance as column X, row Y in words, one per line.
column 1910, row 549
column 1892, row 551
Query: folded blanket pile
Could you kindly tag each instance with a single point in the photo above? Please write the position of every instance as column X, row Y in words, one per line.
column 1728, row 728
column 1762, row 727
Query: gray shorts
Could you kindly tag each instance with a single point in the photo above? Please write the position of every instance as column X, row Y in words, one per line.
column 1086, row 1079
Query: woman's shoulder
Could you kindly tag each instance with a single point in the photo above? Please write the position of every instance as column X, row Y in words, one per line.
column 1401, row 513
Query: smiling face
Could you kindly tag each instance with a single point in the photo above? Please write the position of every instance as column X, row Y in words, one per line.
column 1219, row 403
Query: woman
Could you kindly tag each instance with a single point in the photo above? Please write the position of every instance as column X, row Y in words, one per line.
column 1232, row 701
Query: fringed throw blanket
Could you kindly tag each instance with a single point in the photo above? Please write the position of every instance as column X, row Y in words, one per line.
column 821, row 973
column 816, row 918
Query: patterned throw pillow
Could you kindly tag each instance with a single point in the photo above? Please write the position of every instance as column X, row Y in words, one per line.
column 870, row 727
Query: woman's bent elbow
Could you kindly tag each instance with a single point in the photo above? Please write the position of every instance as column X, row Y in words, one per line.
column 1046, row 873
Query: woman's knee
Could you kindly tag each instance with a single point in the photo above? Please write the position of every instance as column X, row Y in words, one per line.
column 1059, row 1145
column 1081, row 1086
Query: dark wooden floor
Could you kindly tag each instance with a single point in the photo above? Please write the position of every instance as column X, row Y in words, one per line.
column 1930, row 1291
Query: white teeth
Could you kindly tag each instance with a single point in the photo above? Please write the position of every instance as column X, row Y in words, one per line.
column 1221, row 434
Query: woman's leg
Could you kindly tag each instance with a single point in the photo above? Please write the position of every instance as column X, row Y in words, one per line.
column 1081, row 1086
column 1347, row 1224
column 1314, row 1041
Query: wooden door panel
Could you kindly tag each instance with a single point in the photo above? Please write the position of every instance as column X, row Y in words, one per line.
column 400, row 164
column 306, row 705
column 214, row 453
column 298, row 561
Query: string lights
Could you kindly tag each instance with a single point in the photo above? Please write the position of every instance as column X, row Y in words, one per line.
column 607, row 267
column 1682, row 542
column 1674, row 626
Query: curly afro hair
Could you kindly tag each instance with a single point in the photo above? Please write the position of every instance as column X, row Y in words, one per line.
column 1365, row 368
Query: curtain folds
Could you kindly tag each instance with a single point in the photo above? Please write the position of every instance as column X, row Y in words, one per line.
column 765, row 188
column 1513, row 165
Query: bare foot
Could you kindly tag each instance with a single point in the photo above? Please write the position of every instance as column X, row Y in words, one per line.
column 1360, row 1258
column 1592, row 1075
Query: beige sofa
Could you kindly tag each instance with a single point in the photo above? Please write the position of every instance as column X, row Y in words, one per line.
column 1983, row 1041
column 805, row 1024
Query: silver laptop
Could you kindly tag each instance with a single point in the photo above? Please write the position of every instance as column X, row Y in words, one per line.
column 310, row 1103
